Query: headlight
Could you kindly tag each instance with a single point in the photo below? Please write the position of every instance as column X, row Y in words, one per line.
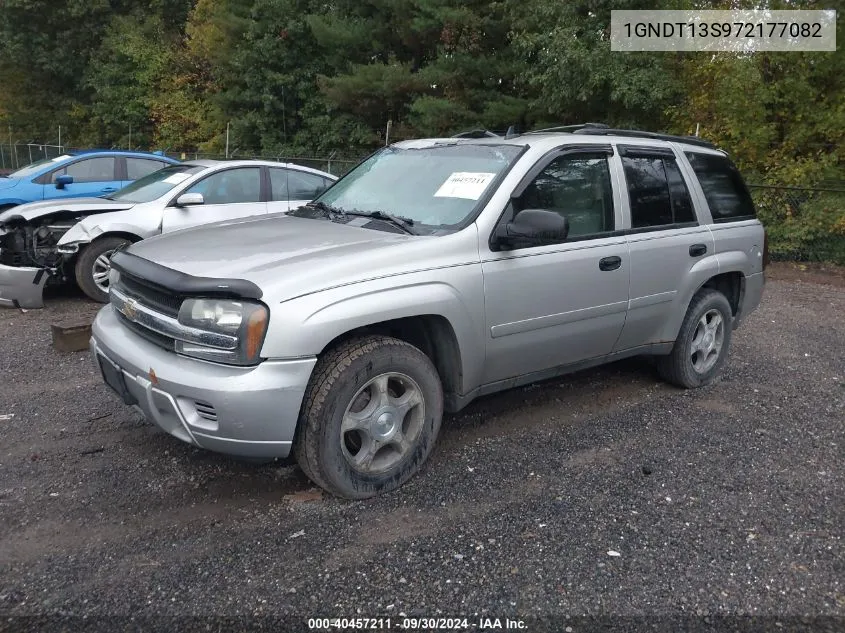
column 246, row 321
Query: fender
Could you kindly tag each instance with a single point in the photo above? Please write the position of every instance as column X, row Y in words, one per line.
column 729, row 262
column 79, row 236
column 11, row 202
column 320, row 318
column 703, row 270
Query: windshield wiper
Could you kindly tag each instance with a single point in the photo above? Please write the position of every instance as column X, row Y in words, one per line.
column 328, row 209
column 406, row 224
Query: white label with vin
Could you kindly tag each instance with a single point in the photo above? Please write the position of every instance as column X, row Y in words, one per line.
column 465, row 184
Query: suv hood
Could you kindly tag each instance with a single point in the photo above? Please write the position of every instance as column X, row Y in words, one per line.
column 288, row 256
column 34, row 210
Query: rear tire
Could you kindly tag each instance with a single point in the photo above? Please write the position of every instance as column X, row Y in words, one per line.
column 92, row 266
column 370, row 417
column 701, row 348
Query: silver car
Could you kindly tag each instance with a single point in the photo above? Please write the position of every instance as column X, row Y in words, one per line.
column 60, row 240
column 436, row 271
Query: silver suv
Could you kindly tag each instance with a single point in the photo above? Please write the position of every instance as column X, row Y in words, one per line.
column 437, row 271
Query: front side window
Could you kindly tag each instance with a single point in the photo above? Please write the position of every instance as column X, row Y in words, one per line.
column 578, row 188
column 438, row 187
column 726, row 193
column 88, row 170
column 290, row 184
column 231, row 186
column 658, row 194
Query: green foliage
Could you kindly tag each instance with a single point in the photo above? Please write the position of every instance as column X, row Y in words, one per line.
column 804, row 225
column 308, row 77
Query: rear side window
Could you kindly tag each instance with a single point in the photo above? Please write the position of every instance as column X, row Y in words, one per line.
column 657, row 191
column 290, row 184
column 726, row 193
column 140, row 167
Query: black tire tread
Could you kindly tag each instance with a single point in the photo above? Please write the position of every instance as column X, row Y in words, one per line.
column 329, row 369
column 85, row 261
column 674, row 368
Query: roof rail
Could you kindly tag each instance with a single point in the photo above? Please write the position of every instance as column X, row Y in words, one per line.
column 477, row 134
column 691, row 140
column 570, row 128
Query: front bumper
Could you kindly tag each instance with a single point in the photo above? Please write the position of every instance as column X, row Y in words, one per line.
column 22, row 287
column 242, row 411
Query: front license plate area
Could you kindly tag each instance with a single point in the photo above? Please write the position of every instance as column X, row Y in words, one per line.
column 114, row 378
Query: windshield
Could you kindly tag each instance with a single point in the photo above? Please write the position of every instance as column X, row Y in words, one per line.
column 437, row 187
column 156, row 184
column 37, row 166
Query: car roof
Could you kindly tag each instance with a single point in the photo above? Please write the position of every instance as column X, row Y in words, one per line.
column 553, row 138
column 208, row 163
column 118, row 152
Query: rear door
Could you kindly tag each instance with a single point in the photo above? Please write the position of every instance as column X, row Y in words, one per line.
column 228, row 194
column 558, row 304
column 92, row 177
column 665, row 240
column 292, row 188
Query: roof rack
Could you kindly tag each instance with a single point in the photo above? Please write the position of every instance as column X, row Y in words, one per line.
column 477, row 134
column 570, row 128
column 691, row 140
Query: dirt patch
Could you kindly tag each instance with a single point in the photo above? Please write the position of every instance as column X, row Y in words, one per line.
column 808, row 272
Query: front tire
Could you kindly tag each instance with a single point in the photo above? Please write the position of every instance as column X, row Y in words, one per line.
column 370, row 417
column 93, row 266
column 701, row 348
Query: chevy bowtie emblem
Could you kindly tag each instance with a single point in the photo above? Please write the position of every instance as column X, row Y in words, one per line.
column 130, row 309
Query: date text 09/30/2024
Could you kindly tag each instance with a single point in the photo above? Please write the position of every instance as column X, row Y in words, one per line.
column 416, row 624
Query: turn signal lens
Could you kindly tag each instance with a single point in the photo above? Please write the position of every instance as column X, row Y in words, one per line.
column 256, row 327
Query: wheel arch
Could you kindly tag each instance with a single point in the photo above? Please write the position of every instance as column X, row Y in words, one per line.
column 127, row 235
column 730, row 283
column 432, row 334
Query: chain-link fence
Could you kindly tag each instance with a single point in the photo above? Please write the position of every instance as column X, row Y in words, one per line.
column 16, row 155
column 803, row 223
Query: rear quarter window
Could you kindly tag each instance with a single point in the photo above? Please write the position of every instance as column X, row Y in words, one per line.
column 725, row 191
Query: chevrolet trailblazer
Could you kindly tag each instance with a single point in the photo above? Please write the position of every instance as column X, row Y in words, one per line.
column 436, row 271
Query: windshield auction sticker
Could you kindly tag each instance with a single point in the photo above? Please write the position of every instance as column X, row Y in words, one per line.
column 465, row 184
column 741, row 31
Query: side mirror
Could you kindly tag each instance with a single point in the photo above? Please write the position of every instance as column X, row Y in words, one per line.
column 532, row 227
column 190, row 200
column 63, row 181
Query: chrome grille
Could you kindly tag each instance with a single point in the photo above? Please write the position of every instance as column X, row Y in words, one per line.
column 153, row 337
column 163, row 329
column 154, row 297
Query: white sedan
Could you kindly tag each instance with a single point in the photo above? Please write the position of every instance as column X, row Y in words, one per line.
column 64, row 239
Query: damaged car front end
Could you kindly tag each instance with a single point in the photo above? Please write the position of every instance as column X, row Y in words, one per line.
column 29, row 253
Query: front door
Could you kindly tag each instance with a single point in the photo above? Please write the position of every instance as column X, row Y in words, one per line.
column 228, row 195
column 92, row 178
column 561, row 303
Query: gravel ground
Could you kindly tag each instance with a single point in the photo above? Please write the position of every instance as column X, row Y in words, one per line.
column 606, row 494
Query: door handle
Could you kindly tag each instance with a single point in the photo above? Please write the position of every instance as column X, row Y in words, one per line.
column 697, row 250
column 109, row 189
column 610, row 263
